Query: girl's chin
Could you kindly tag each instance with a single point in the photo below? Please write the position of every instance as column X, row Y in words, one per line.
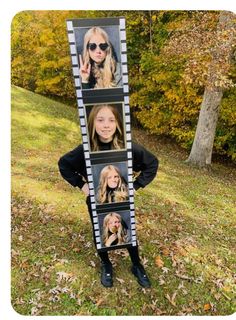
column 106, row 139
column 113, row 186
column 99, row 61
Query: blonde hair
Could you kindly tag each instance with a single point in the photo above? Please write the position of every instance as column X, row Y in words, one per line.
column 117, row 140
column 120, row 193
column 121, row 232
column 104, row 76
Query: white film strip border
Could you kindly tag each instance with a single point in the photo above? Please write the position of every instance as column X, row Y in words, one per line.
column 81, row 113
column 94, row 213
column 127, row 127
column 80, row 102
column 69, row 25
column 71, row 37
column 124, row 56
column 92, row 199
column 122, row 23
column 127, row 109
column 74, row 58
column 133, row 226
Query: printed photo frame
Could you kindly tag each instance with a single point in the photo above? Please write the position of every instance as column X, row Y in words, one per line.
column 113, row 204
column 110, row 182
column 116, row 115
column 115, row 229
column 109, row 36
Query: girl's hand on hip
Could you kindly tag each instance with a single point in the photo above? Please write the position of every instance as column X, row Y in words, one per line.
column 85, row 189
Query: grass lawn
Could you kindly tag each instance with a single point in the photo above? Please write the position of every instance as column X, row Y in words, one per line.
column 186, row 221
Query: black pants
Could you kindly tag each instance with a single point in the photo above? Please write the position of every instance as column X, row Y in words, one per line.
column 133, row 251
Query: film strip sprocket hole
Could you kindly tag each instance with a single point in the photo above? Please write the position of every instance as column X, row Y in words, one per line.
column 74, row 28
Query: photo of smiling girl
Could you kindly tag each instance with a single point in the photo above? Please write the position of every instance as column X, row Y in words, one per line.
column 105, row 128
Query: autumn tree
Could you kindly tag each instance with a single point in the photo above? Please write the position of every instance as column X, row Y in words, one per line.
column 40, row 52
column 175, row 73
column 217, row 82
column 169, row 58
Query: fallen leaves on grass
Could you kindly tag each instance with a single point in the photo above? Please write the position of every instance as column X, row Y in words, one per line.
column 165, row 270
column 64, row 276
column 171, row 299
column 207, row 307
column 99, row 302
column 153, row 306
column 92, row 264
column 36, row 303
column 34, row 311
column 161, row 280
column 55, row 293
column 159, row 262
column 165, row 251
column 125, row 292
column 120, row 280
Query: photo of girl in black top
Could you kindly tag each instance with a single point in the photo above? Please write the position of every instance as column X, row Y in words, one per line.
column 105, row 125
column 112, row 186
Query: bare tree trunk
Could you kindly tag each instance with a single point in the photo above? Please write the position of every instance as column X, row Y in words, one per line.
column 201, row 152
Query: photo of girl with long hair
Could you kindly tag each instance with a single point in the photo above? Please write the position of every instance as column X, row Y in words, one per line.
column 112, row 186
column 105, row 127
column 99, row 67
column 115, row 230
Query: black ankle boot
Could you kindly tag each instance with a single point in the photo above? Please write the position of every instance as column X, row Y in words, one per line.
column 140, row 274
column 106, row 274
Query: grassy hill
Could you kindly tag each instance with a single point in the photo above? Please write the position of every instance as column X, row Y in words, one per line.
column 185, row 225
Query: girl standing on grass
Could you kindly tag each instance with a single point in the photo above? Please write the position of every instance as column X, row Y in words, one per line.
column 73, row 169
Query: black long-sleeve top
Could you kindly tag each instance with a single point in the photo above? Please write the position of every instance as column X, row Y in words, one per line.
column 73, row 169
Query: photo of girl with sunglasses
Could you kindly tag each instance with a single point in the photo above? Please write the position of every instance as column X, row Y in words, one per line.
column 99, row 67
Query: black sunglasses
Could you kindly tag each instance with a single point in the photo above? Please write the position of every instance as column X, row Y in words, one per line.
column 93, row 46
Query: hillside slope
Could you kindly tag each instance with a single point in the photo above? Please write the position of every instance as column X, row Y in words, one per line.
column 185, row 224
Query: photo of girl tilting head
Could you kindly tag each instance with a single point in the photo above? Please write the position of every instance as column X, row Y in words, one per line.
column 115, row 230
column 112, row 186
column 98, row 65
column 105, row 128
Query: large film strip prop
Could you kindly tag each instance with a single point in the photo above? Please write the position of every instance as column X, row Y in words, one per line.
column 98, row 163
